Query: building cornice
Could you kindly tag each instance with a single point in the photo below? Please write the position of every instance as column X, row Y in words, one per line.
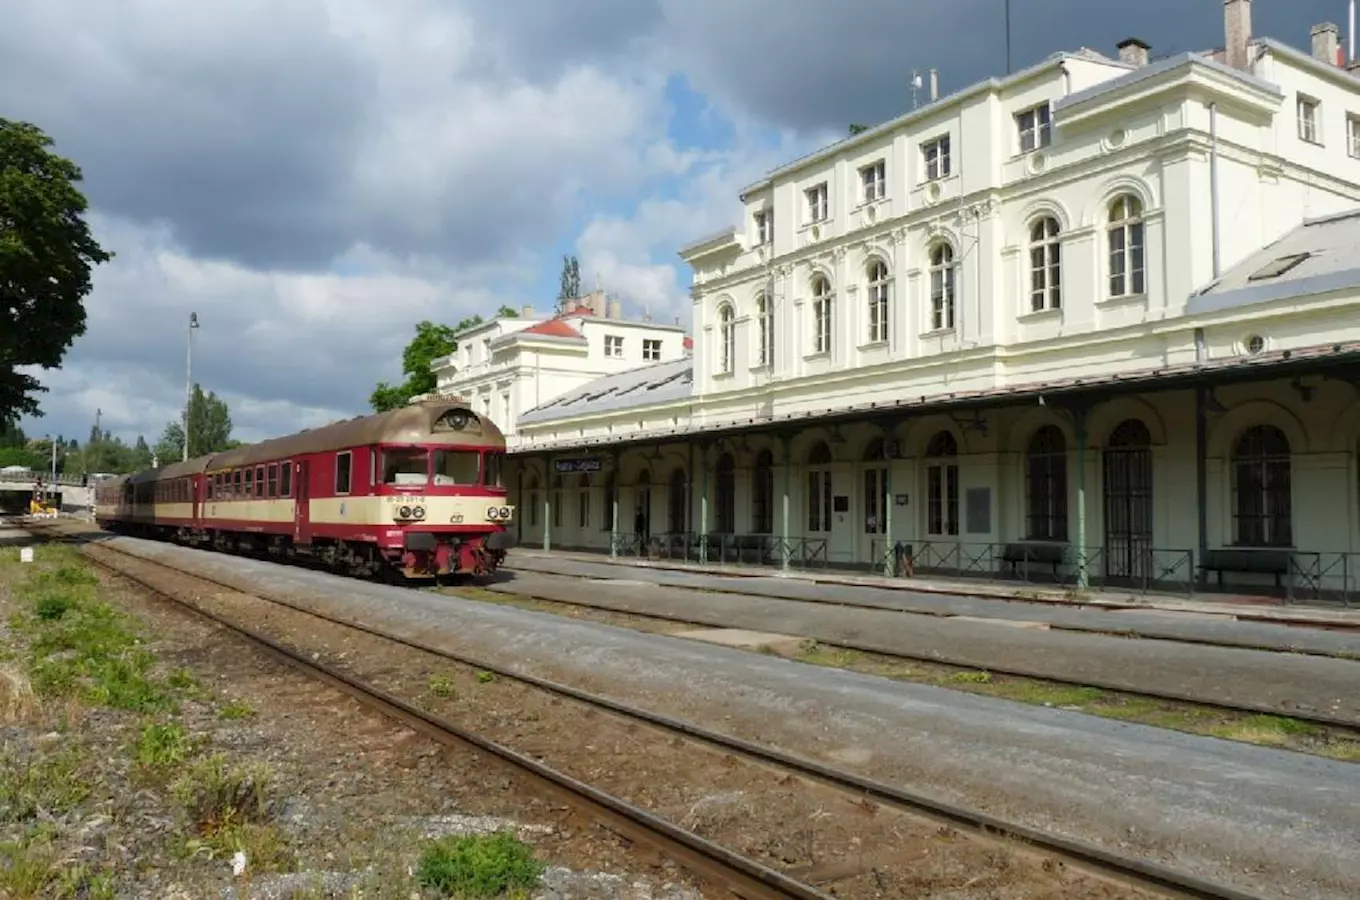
column 1337, row 76
column 721, row 242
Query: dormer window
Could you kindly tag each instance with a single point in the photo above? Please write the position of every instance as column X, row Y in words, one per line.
column 873, row 178
column 764, row 222
column 816, row 203
column 1035, row 127
column 936, row 156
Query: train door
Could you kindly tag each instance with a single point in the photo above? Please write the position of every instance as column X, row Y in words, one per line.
column 302, row 492
column 196, row 483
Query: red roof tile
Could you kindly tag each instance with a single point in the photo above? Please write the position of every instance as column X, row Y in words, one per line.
column 553, row 328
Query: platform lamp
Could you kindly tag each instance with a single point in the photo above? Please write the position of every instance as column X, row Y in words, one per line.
column 189, row 380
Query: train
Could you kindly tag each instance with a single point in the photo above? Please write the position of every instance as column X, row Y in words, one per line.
column 414, row 493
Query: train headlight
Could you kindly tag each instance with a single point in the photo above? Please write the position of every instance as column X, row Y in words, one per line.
column 505, row 512
column 492, row 512
column 404, row 512
column 418, row 512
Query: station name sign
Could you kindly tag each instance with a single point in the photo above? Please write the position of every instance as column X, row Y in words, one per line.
column 585, row 464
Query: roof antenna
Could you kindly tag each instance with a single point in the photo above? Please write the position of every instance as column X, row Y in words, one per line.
column 915, row 86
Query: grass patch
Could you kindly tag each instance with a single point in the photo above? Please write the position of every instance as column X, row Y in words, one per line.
column 442, row 685
column 162, row 745
column 485, row 677
column 53, row 783
column 479, row 866
column 236, row 709
column 228, row 809
column 35, row 866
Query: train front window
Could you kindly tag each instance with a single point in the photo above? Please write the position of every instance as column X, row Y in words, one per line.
column 406, row 466
column 493, row 470
column 457, row 467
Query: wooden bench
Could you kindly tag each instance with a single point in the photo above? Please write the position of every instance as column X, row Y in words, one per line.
column 1259, row 562
column 1049, row 554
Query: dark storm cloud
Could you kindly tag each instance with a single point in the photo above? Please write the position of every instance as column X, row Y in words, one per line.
column 810, row 64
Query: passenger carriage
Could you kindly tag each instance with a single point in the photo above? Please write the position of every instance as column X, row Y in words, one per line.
column 417, row 490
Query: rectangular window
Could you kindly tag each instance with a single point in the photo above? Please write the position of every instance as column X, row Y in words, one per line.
column 816, row 203
column 651, row 349
column 286, row 479
column 406, row 467
column 1308, row 119
column 764, row 222
column 452, row 467
column 344, row 475
column 821, row 333
column 874, row 181
column 1035, row 127
column 273, row 484
column 259, row 481
column 1353, row 136
column 491, row 474
column 937, row 159
column 250, row 483
column 613, row 345
column 236, row 489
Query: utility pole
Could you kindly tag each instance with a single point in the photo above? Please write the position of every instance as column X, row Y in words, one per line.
column 1008, row 37
column 189, row 380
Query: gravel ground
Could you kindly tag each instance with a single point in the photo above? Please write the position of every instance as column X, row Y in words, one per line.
column 820, row 835
column 1284, row 683
column 1177, row 625
column 353, row 798
column 1265, row 820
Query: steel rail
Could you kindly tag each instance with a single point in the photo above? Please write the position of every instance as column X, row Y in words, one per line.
column 1016, row 671
column 1142, row 872
column 739, row 874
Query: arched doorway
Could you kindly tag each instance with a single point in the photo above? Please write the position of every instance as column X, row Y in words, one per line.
column 1128, row 501
column 727, row 495
column 642, row 515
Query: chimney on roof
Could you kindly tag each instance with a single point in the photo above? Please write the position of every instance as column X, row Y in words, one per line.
column 527, row 311
column 1236, row 32
column 934, row 85
column 1133, row 52
column 615, row 309
column 1327, row 43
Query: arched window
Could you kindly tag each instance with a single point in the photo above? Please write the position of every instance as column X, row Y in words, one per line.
column 583, row 504
column 765, row 330
column 727, row 495
column 1262, row 495
column 1046, row 485
column 727, row 352
column 942, row 284
column 821, row 314
column 942, row 485
column 557, row 501
column 532, row 497
column 819, row 488
column 1045, row 265
column 1127, row 276
column 878, row 301
column 677, row 502
column 762, row 494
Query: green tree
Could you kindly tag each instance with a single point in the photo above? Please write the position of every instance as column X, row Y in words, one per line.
column 209, row 429
column 506, row 312
column 856, row 129
column 46, row 254
column 571, row 280
column 430, row 343
column 11, row 435
column 21, row 456
column 139, row 458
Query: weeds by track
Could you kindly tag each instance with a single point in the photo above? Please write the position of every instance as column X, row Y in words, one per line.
column 747, row 877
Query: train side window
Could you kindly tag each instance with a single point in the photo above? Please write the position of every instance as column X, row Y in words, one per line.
column 236, row 484
column 343, row 472
column 259, row 482
column 286, row 479
column 491, row 472
column 249, row 482
column 273, row 480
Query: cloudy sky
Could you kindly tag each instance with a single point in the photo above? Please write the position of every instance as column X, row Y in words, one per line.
column 312, row 177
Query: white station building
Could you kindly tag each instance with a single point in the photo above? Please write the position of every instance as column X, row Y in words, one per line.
column 1095, row 321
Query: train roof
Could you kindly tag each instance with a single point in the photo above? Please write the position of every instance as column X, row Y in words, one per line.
column 439, row 421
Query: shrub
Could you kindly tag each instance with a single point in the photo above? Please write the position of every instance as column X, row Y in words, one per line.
column 478, row 866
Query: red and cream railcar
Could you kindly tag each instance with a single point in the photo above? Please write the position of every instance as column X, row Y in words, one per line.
column 417, row 490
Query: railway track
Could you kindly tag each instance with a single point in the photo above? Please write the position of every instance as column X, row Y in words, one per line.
column 743, row 876
column 1313, row 718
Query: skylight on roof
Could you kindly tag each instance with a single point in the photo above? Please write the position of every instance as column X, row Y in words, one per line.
column 1278, row 267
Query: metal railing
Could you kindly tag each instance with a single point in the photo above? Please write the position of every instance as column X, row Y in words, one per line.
column 725, row 549
column 1039, row 563
column 1324, row 577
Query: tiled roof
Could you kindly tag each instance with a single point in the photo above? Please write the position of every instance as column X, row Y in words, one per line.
column 553, row 328
column 644, row 386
